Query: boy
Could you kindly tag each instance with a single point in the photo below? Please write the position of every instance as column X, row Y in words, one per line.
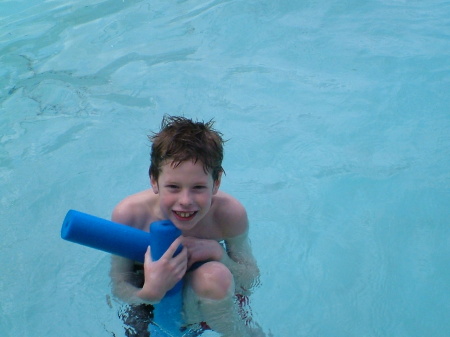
column 185, row 175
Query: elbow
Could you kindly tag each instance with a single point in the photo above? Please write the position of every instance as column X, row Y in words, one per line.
column 251, row 280
column 255, row 273
column 118, row 291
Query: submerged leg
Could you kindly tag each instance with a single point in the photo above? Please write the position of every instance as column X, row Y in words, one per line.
column 221, row 316
column 209, row 297
column 136, row 319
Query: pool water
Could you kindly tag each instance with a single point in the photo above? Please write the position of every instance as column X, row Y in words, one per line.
column 337, row 118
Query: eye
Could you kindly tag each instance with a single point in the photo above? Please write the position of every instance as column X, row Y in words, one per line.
column 172, row 187
column 199, row 187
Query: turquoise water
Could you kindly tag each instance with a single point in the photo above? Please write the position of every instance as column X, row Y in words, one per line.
column 337, row 115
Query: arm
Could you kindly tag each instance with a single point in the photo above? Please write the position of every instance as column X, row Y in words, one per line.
column 125, row 283
column 239, row 258
column 237, row 255
column 159, row 276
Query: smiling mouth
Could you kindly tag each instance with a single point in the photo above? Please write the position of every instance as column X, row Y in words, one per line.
column 184, row 215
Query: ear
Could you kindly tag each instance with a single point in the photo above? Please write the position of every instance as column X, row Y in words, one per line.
column 154, row 184
column 217, row 183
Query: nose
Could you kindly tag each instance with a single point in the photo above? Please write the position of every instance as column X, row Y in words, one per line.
column 185, row 199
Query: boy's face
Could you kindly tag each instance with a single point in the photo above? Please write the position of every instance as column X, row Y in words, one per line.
column 185, row 193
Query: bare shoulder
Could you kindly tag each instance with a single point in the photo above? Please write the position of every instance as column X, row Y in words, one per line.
column 135, row 210
column 231, row 215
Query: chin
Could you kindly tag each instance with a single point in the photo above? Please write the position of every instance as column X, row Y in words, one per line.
column 185, row 225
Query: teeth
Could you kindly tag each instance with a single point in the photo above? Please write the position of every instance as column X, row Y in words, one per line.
column 185, row 214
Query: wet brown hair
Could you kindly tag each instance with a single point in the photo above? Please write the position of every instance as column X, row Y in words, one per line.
column 181, row 139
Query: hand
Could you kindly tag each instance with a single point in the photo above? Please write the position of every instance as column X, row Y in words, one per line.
column 162, row 275
column 202, row 250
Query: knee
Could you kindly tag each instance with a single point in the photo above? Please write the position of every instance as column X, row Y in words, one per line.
column 212, row 280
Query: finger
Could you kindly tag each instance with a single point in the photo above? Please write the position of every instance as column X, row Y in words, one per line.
column 148, row 256
column 172, row 248
column 182, row 255
column 186, row 240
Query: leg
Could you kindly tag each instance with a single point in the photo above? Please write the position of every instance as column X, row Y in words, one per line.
column 136, row 319
column 209, row 297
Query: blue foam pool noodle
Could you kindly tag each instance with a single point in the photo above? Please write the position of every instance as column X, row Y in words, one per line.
column 131, row 243
column 102, row 234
